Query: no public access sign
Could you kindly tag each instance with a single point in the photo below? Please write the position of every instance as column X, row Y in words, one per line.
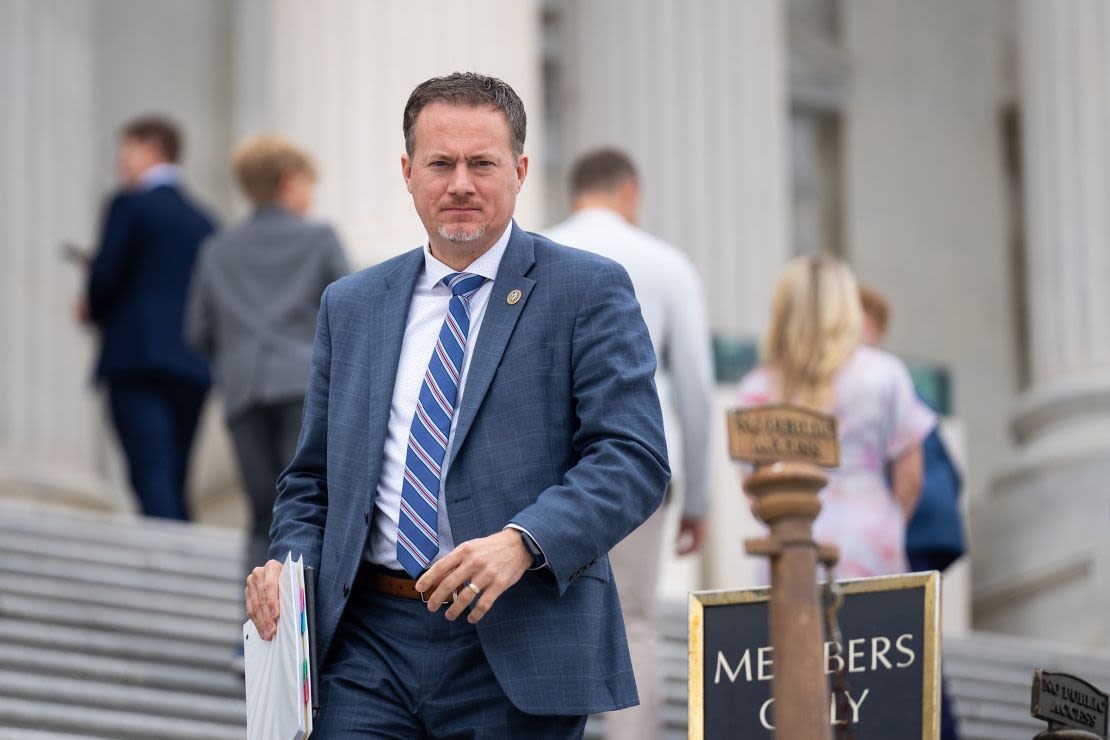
column 890, row 651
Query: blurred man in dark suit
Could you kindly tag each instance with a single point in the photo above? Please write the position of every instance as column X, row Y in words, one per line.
column 138, row 282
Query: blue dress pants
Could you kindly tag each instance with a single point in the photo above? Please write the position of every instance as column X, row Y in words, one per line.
column 156, row 418
column 396, row 670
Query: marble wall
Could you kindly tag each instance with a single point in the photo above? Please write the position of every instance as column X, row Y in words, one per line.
column 1044, row 563
column 925, row 199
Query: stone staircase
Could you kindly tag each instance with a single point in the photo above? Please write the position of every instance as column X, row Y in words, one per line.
column 118, row 628
column 112, row 627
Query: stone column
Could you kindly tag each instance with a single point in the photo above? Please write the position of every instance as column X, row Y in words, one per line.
column 696, row 93
column 335, row 77
column 51, row 444
column 1043, row 566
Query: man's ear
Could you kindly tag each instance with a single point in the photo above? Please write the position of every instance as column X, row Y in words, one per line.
column 630, row 192
column 628, row 196
column 406, row 171
column 283, row 183
column 521, row 171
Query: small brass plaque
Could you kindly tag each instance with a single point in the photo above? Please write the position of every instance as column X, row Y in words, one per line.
column 783, row 432
column 1064, row 700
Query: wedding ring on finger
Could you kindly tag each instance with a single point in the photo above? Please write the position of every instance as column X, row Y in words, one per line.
column 477, row 591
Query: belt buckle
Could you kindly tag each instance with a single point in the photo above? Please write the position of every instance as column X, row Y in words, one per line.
column 454, row 596
column 423, row 600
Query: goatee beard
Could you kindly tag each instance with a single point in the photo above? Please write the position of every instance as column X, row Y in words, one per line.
column 461, row 235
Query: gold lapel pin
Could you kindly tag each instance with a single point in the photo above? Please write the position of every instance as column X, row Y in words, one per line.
column 514, row 296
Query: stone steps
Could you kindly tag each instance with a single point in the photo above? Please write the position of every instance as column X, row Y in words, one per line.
column 86, row 721
column 126, row 555
column 24, row 733
column 117, row 627
column 49, row 565
column 144, row 603
column 101, row 695
column 74, row 612
column 96, row 642
column 121, row 672
column 151, row 535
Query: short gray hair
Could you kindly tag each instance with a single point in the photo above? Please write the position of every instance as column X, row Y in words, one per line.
column 467, row 88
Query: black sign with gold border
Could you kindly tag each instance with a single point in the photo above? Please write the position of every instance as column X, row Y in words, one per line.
column 891, row 633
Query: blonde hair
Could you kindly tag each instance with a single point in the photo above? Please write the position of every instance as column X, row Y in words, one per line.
column 260, row 161
column 815, row 327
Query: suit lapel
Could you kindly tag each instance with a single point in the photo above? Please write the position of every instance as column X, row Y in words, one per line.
column 497, row 326
column 388, row 314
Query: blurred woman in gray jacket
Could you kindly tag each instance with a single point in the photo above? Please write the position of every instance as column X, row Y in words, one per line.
column 252, row 310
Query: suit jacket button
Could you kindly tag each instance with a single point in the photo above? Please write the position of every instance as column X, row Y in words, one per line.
column 346, row 590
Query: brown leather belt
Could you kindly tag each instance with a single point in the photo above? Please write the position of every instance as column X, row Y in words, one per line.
column 375, row 580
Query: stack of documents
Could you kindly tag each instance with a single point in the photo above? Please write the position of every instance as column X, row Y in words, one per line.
column 279, row 685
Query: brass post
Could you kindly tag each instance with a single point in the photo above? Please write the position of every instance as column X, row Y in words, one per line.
column 786, row 499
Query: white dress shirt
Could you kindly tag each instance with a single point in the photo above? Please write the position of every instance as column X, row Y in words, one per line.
column 427, row 311
column 673, row 305
column 164, row 173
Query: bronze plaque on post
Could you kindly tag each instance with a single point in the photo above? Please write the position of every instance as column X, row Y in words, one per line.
column 783, row 433
column 1065, row 701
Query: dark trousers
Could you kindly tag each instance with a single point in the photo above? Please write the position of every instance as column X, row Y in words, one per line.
column 156, row 420
column 923, row 561
column 396, row 670
column 265, row 438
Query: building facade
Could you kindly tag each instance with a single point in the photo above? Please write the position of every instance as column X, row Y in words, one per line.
column 953, row 152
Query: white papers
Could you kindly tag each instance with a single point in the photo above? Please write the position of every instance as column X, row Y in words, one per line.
column 279, row 699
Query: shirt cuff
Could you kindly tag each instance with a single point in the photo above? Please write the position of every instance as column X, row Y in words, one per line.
column 519, row 528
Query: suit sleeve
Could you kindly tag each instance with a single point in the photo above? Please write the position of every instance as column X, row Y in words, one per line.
column 114, row 259
column 302, row 502
column 622, row 471
column 198, row 309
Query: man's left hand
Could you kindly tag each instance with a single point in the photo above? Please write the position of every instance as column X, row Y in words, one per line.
column 691, row 531
column 493, row 564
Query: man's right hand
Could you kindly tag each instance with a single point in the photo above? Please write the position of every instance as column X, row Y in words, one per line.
column 263, row 595
column 81, row 311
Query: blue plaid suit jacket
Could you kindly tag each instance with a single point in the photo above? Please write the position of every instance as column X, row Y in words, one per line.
column 559, row 431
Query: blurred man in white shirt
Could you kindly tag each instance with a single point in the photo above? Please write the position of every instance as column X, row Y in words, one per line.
column 606, row 201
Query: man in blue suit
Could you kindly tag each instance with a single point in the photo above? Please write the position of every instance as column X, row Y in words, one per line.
column 138, row 282
column 481, row 427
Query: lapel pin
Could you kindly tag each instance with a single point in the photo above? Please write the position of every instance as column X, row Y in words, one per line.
column 514, row 296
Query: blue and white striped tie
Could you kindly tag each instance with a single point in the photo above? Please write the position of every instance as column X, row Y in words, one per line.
column 418, row 524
